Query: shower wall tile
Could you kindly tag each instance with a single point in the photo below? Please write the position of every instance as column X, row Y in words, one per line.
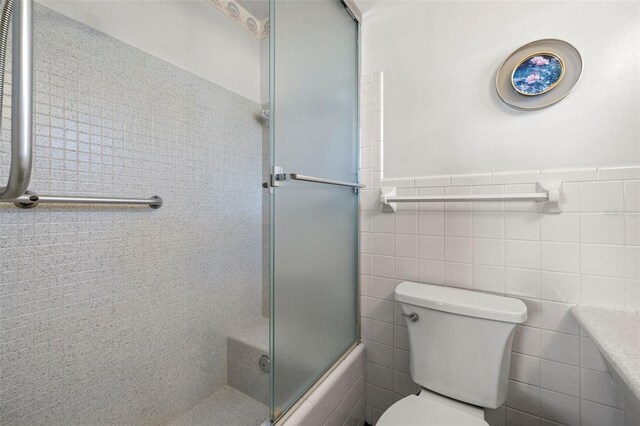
column 119, row 315
column 587, row 254
column 338, row 398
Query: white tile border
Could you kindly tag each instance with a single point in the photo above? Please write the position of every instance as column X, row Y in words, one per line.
column 471, row 179
column 619, row 173
column 505, row 178
column 429, row 181
column 371, row 130
column 399, row 182
column 518, row 177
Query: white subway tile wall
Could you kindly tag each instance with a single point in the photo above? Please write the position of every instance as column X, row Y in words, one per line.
column 339, row 399
column 119, row 315
column 589, row 254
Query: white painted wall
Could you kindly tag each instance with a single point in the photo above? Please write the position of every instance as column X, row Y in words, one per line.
column 191, row 34
column 442, row 114
column 264, row 70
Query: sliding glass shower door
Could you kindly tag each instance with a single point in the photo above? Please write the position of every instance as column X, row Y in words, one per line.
column 314, row 256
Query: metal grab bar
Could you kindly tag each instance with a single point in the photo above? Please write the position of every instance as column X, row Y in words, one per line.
column 21, row 101
column 297, row 176
column 22, row 124
column 30, row 200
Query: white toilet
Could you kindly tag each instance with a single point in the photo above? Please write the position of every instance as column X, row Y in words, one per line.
column 460, row 349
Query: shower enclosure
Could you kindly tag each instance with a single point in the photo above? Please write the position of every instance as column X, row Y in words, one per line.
column 115, row 313
column 314, row 205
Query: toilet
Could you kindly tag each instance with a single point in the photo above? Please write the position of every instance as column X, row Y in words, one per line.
column 460, row 350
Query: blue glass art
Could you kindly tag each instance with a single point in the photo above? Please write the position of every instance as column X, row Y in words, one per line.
column 537, row 74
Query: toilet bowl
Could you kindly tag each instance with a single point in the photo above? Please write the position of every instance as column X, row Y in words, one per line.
column 431, row 409
column 460, row 351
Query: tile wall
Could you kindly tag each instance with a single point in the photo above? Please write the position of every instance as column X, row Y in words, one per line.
column 338, row 400
column 588, row 254
column 119, row 315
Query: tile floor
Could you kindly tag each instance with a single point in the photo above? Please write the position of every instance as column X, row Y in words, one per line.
column 226, row 407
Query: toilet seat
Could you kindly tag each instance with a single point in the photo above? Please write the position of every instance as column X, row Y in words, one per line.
column 418, row 411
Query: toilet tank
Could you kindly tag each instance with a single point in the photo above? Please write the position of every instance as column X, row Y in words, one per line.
column 460, row 340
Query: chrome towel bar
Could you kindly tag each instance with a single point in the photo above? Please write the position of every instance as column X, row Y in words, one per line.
column 298, row 176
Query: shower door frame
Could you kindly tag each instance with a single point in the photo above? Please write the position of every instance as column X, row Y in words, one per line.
column 352, row 9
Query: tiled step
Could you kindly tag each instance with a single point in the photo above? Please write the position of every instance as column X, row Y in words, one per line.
column 244, row 349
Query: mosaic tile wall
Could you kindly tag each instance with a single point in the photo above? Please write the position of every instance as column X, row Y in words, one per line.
column 119, row 315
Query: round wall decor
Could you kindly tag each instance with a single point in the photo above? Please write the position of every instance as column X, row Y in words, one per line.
column 539, row 74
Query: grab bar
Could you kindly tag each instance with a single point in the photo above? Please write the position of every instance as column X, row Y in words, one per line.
column 22, row 124
column 21, row 101
column 30, row 200
column 297, row 176
column 550, row 195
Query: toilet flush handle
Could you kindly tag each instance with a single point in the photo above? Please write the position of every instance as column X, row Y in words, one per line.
column 413, row 317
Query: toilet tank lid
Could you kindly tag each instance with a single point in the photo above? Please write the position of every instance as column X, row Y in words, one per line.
column 462, row 302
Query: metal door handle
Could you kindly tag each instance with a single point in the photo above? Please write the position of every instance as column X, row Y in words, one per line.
column 298, row 176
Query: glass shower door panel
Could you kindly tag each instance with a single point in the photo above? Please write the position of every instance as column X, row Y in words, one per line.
column 314, row 76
